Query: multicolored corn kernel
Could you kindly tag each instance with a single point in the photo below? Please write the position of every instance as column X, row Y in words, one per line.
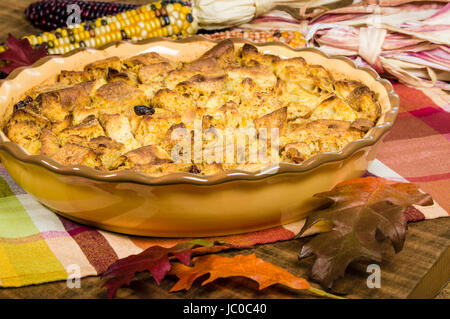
column 165, row 18
column 293, row 38
column 51, row 14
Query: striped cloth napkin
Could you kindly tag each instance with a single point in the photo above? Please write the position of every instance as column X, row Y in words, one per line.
column 38, row 246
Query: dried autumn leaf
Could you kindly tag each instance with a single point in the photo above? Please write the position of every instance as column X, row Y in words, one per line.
column 20, row 53
column 249, row 266
column 154, row 259
column 365, row 212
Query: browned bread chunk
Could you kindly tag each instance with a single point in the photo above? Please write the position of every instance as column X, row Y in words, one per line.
column 158, row 115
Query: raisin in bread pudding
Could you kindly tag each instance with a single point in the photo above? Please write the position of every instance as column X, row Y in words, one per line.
column 122, row 114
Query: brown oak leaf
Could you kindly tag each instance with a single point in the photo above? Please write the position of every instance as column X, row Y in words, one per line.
column 20, row 53
column 364, row 213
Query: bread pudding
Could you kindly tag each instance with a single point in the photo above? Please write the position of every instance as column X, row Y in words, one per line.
column 229, row 109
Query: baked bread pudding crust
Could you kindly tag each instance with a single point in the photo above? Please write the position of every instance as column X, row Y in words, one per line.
column 119, row 114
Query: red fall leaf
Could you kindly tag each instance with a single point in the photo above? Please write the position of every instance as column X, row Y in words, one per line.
column 154, row 259
column 20, row 53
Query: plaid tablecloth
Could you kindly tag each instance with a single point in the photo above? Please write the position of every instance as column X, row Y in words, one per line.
column 38, row 246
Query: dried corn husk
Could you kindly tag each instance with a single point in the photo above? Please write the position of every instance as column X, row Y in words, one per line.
column 361, row 14
column 393, row 3
column 408, row 41
column 220, row 14
column 275, row 19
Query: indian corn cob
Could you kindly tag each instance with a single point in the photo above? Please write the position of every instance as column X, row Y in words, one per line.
column 293, row 38
column 163, row 18
column 51, row 14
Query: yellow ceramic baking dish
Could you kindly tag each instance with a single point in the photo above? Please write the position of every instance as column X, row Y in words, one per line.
column 185, row 204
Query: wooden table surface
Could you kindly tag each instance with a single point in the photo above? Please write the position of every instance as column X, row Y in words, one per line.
column 420, row 270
